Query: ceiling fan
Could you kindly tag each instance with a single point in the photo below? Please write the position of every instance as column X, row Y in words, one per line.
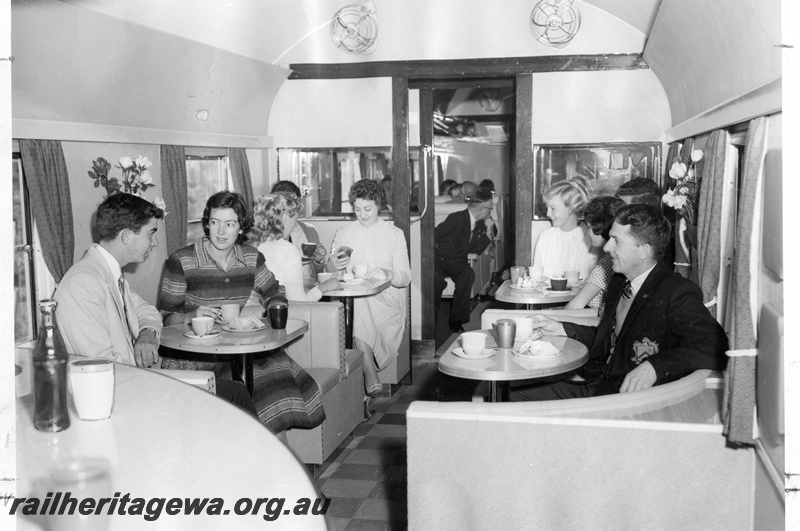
column 555, row 22
column 354, row 29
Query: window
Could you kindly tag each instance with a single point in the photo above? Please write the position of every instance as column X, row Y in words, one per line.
column 24, row 277
column 206, row 174
column 325, row 175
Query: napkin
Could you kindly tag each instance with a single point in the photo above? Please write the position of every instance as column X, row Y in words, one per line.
column 246, row 322
column 537, row 347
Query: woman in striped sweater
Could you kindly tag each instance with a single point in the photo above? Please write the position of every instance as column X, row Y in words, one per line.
column 221, row 269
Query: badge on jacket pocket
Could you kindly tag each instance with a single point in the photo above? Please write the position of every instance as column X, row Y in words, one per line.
column 643, row 349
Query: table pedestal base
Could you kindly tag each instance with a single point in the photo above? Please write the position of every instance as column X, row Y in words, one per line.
column 499, row 391
column 242, row 370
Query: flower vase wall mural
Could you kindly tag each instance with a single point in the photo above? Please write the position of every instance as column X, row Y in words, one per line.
column 136, row 178
column 683, row 198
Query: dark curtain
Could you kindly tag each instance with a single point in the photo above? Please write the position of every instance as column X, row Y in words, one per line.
column 240, row 171
column 709, row 217
column 738, row 408
column 173, row 180
column 51, row 203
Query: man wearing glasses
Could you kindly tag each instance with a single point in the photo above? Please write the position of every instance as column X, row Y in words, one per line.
column 462, row 233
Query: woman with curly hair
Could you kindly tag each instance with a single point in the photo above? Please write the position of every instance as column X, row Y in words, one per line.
column 379, row 320
column 566, row 245
column 221, row 268
column 275, row 219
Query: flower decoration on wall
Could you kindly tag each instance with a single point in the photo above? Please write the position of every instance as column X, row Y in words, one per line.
column 682, row 196
column 136, row 178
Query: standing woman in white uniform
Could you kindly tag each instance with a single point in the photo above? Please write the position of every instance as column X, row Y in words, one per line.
column 379, row 320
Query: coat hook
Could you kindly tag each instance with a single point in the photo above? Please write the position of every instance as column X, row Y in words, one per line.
column 10, row 58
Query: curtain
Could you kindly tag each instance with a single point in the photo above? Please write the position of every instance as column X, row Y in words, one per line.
column 51, row 202
column 683, row 260
column 173, row 181
column 709, row 219
column 738, row 411
column 240, row 171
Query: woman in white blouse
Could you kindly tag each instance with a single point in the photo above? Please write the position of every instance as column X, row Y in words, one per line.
column 275, row 219
column 378, row 320
column 566, row 246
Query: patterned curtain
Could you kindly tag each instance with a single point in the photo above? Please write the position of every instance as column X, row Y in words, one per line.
column 683, row 260
column 51, row 202
column 738, row 410
column 173, row 181
column 240, row 171
column 709, row 222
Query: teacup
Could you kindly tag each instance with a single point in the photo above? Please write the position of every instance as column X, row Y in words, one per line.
column 324, row 277
column 572, row 276
column 558, row 284
column 473, row 343
column 360, row 270
column 524, row 327
column 202, row 326
column 230, row 312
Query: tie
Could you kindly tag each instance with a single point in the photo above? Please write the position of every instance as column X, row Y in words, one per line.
column 121, row 286
column 619, row 315
column 476, row 232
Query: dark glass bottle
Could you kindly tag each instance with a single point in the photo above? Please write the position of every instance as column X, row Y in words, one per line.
column 50, row 373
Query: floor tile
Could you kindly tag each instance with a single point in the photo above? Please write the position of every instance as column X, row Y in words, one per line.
column 395, row 474
column 392, row 444
column 354, row 471
column 372, row 457
column 388, row 490
column 392, row 418
column 329, row 470
column 388, row 430
column 400, row 459
column 371, row 525
column 344, row 507
column 362, row 429
column 398, row 408
column 336, row 524
column 347, row 488
column 382, row 509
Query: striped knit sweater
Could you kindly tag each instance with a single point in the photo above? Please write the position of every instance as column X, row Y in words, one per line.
column 192, row 278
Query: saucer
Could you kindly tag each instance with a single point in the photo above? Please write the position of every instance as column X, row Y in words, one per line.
column 227, row 328
column 515, row 288
column 489, row 352
column 351, row 282
column 191, row 335
column 558, row 292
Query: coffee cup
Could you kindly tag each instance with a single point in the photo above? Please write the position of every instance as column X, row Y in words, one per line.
column 360, row 270
column 572, row 276
column 516, row 273
column 309, row 249
column 524, row 327
column 505, row 330
column 324, row 277
column 230, row 312
column 537, row 273
column 202, row 326
column 278, row 315
column 91, row 384
column 558, row 284
column 473, row 343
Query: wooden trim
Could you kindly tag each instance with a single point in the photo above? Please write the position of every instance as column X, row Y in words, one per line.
column 469, row 68
column 427, row 224
column 477, row 83
column 401, row 176
column 522, row 176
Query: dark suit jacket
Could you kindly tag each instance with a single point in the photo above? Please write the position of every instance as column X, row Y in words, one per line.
column 666, row 325
column 452, row 237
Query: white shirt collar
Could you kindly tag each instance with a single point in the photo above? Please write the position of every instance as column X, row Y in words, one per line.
column 113, row 265
column 637, row 282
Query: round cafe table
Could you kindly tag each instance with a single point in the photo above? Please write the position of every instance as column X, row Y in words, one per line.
column 504, row 366
column 242, row 344
column 532, row 296
column 347, row 292
column 166, row 439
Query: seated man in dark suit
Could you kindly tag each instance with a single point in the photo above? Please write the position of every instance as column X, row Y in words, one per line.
column 654, row 329
column 462, row 233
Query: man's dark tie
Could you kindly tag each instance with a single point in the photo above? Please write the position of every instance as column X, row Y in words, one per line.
column 627, row 290
column 121, row 285
column 480, row 227
column 624, row 301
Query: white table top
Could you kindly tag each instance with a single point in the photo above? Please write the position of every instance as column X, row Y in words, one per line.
column 167, row 439
column 368, row 287
column 505, row 366
column 537, row 295
column 245, row 342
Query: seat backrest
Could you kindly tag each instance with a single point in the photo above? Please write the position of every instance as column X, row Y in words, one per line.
column 586, row 316
column 323, row 345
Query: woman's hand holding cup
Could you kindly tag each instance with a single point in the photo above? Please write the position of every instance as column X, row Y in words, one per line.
column 202, row 311
column 328, row 285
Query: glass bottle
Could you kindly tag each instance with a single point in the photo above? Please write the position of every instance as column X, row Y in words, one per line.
column 50, row 373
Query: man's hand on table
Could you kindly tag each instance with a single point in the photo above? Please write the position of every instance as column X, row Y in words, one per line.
column 145, row 351
column 548, row 326
column 640, row 378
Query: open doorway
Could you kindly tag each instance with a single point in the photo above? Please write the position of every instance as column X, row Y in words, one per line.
column 471, row 125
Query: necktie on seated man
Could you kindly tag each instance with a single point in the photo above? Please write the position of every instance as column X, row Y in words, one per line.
column 623, row 305
column 121, row 286
column 479, row 227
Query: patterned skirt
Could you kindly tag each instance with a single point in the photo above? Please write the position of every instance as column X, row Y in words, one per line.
column 284, row 394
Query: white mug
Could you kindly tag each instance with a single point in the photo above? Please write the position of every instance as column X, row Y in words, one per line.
column 524, row 327
column 230, row 312
column 202, row 326
column 360, row 270
column 91, row 384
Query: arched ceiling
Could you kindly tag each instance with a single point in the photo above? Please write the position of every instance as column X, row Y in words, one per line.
column 296, row 31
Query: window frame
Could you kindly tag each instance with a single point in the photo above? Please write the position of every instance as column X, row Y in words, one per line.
column 205, row 153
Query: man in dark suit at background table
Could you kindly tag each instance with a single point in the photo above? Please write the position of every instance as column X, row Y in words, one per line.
column 462, row 233
column 654, row 329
